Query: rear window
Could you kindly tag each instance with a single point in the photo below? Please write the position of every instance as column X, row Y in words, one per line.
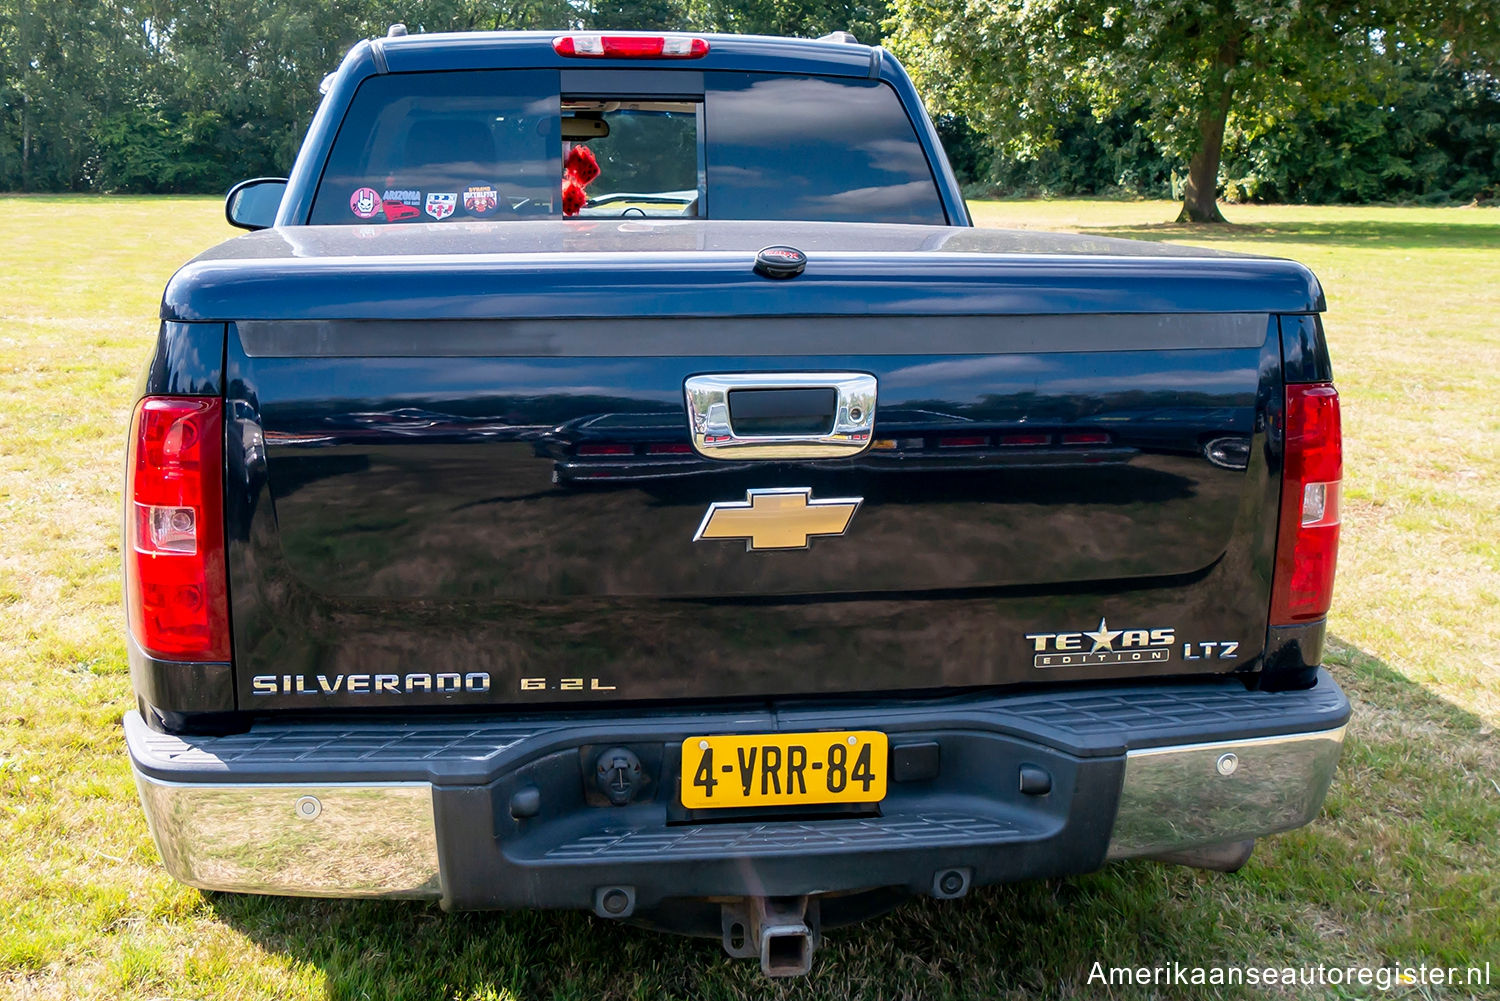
column 433, row 146
column 819, row 148
column 506, row 144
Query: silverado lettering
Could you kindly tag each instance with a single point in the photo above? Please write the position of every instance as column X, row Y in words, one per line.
column 368, row 684
column 693, row 533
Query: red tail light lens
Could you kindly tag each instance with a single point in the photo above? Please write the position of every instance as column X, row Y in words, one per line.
column 630, row 46
column 1307, row 543
column 176, row 592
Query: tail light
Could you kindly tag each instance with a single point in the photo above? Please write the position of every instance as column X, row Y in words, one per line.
column 630, row 46
column 176, row 592
column 1307, row 543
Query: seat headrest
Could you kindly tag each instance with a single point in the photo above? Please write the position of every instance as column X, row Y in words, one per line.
column 459, row 142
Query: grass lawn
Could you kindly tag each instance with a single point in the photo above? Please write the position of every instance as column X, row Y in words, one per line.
column 1404, row 866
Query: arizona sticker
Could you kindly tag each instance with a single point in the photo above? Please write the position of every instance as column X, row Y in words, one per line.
column 401, row 203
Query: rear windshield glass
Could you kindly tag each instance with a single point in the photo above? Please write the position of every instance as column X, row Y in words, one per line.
column 822, row 148
column 435, row 146
column 506, row 144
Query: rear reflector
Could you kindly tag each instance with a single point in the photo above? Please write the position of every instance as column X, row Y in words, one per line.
column 1307, row 542
column 176, row 593
column 593, row 46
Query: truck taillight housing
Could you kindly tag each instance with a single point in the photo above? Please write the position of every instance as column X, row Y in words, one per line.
column 1307, row 544
column 176, row 592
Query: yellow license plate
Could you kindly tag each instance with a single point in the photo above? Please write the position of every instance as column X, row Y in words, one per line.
column 784, row 769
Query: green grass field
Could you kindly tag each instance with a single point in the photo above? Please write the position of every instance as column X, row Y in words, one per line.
column 1404, row 866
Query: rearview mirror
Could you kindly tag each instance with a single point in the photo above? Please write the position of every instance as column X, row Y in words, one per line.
column 582, row 128
column 252, row 204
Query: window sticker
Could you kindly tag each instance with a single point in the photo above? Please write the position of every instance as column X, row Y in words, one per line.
column 440, row 203
column 365, row 203
column 480, row 199
column 401, row 203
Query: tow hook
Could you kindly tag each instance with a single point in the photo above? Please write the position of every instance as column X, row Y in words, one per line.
column 782, row 931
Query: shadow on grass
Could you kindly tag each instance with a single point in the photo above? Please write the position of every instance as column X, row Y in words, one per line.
column 1034, row 939
column 1354, row 234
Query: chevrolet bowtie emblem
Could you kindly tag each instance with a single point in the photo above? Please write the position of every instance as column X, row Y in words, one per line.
column 777, row 519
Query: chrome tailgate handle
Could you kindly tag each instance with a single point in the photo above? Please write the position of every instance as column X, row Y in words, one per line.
column 781, row 415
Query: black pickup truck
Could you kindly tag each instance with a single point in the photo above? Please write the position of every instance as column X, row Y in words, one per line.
column 616, row 476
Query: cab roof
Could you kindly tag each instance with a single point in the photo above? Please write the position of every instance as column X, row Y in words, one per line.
column 534, row 50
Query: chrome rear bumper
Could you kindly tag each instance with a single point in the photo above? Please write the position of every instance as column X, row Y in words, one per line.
column 1183, row 797
column 373, row 840
column 354, row 830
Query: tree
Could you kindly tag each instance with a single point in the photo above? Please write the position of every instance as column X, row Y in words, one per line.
column 804, row 18
column 62, row 69
column 1435, row 139
column 1021, row 67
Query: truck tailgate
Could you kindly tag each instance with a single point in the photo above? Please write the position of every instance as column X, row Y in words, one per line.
column 505, row 511
column 460, row 468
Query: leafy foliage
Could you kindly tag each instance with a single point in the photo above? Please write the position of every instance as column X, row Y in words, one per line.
column 1193, row 70
column 807, row 18
column 1438, row 140
column 141, row 150
column 1329, row 101
column 1090, row 156
column 189, row 95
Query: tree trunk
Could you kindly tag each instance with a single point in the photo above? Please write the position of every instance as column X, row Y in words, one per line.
column 23, row 24
column 1200, row 201
column 25, row 143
